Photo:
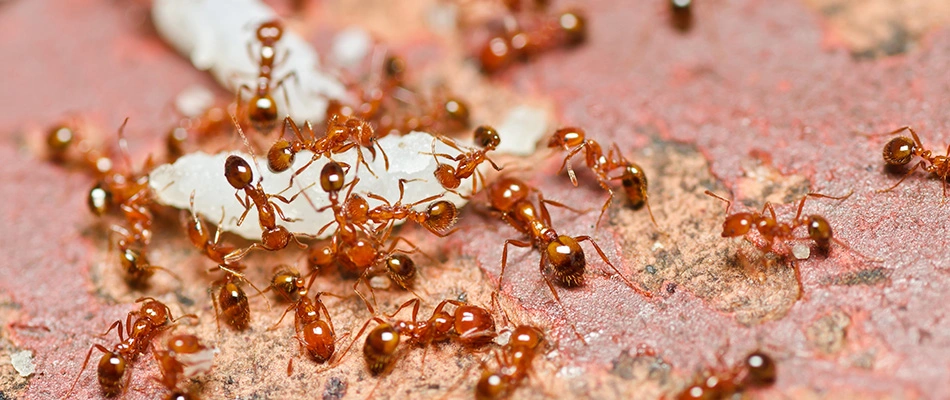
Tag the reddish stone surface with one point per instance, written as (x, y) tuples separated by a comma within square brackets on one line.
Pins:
[(751, 104)]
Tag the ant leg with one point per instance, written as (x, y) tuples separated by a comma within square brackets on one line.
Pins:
[(448, 142), (504, 256), (415, 249), (558, 299), (280, 84), (238, 254), (713, 195), (280, 213), (921, 165), (801, 205), (415, 309), (119, 324), (214, 302), (291, 307), (570, 167), (166, 270), (84, 363), (604, 257), (380, 147), (246, 203)]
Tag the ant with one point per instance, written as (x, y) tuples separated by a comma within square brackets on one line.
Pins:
[(521, 39), (151, 319), (340, 128), (135, 264), (633, 179), (470, 325), (438, 217), (757, 371), (184, 358), (273, 237), (901, 150), (561, 253), (819, 230), (262, 109), (200, 238), (514, 364), (231, 299), (468, 161), (314, 333), (681, 13)]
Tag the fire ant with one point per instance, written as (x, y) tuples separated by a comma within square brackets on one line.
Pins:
[(901, 150), (681, 12), (470, 325), (151, 319), (184, 358), (262, 109), (135, 264), (438, 217), (231, 299), (562, 254), (273, 237), (633, 179), (282, 153), (314, 333), (468, 161), (819, 230), (522, 39), (514, 364), (757, 371), (198, 234)]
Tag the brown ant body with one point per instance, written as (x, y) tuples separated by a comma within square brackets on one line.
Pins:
[(633, 179), (438, 217), (527, 35), (468, 161), (273, 237), (262, 109), (469, 325), (681, 14), (199, 236), (314, 333), (740, 224), (757, 371), (901, 150), (231, 302), (343, 133), (514, 364), (183, 358), (151, 319)]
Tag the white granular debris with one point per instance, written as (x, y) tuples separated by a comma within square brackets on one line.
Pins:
[(194, 100), (351, 46), (503, 338), (380, 282), (801, 251), (521, 130), (23, 362), (203, 174), (214, 35)]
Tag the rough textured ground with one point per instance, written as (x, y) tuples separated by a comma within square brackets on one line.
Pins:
[(762, 101)]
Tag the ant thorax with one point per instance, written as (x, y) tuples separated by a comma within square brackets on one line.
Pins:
[(203, 175)]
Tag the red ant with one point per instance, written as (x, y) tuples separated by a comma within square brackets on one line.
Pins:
[(151, 319), (470, 325), (340, 129), (438, 217), (262, 109), (819, 230), (135, 264), (522, 39), (562, 254), (468, 161), (633, 179), (901, 150), (757, 371), (274, 237), (514, 364), (314, 333), (185, 358), (200, 237), (231, 299)]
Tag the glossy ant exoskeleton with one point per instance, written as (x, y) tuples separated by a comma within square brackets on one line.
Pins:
[(514, 364), (262, 109), (343, 133), (634, 180), (560, 253), (438, 218), (184, 358), (231, 302), (757, 371), (151, 319), (470, 325), (314, 333), (527, 35), (681, 14), (468, 161), (901, 150)]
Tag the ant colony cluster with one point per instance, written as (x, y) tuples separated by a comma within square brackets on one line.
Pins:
[(323, 169)]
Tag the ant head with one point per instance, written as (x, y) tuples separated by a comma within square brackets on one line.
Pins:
[(567, 138), (270, 32), (441, 215), (394, 67), (634, 183), (401, 268), (487, 137), (761, 370), (280, 156), (238, 172), (574, 26), (737, 224), (361, 131), (320, 340), (262, 112), (185, 344), (526, 336), (899, 150), (457, 111), (380, 346), (507, 191), (99, 200), (155, 311), (287, 282), (567, 260), (332, 177), (819, 230)]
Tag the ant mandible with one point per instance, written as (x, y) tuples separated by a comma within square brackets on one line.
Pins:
[(152, 318), (633, 179), (561, 253), (468, 161), (901, 150), (757, 371), (262, 109)]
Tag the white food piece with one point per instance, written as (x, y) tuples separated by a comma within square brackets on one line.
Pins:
[(351, 46), (193, 101), (801, 251), (521, 130), (203, 174), (216, 36), (23, 362)]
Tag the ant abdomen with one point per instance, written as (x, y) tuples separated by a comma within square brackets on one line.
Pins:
[(441, 215), (380, 347), (819, 230), (568, 261), (474, 325), (402, 270), (110, 371), (234, 306), (634, 183), (280, 156), (319, 340), (899, 150), (761, 368), (492, 385), (99, 200)]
